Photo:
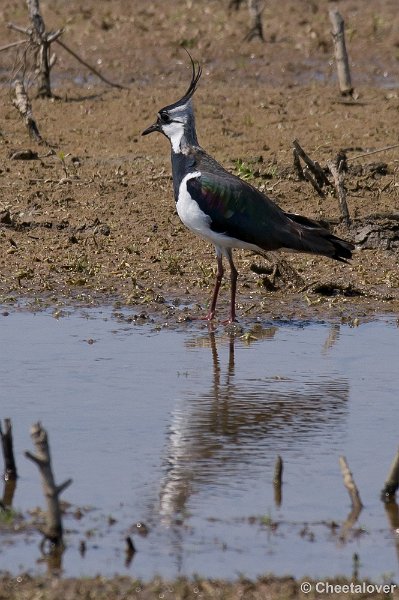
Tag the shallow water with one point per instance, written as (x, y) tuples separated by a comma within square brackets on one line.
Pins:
[(180, 429)]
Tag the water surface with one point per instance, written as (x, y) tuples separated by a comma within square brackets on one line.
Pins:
[(180, 430)]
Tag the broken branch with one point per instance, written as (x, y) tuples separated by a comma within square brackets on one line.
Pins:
[(357, 505), (309, 177), (386, 148), (92, 69), (350, 484), (314, 166), (297, 164), (53, 530), (24, 30), (12, 45)]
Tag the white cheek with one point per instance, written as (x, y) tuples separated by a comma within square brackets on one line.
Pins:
[(175, 132)]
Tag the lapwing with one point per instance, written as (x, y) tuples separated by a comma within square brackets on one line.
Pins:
[(227, 211)]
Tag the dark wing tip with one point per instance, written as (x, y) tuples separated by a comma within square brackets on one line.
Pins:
[(337, 248), (343, 249)]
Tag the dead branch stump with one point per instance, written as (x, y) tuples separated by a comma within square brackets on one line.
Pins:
[(341, 55), (392, 482), (42, 41), (337, 168), (10, 469), (23, 105), (39, 42), (53, 529)]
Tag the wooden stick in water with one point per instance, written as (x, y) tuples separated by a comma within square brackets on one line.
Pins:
[(10, 469), (53, 530), (349, 483), (392, 482)]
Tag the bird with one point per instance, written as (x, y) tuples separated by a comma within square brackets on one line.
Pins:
[(227, 211)]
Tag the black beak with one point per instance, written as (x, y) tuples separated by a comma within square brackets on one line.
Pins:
[(151, 128)]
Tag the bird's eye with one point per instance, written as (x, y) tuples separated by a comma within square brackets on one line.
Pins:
[(165, 118)]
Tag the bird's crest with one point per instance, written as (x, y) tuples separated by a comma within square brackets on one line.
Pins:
[(195, 77)]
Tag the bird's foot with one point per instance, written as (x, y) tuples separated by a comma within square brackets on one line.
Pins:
[(230, 321), (209, 317)]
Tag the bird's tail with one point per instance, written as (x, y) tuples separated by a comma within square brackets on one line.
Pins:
[(312, 237)]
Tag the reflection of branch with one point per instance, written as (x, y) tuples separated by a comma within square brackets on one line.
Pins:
[(349, 522), (277, 480), (130, 551), (357, 505), (333, 336)]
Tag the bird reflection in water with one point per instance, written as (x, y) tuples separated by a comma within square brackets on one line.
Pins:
[(238, 426)]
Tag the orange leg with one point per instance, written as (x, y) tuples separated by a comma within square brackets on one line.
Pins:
[(219, 277)]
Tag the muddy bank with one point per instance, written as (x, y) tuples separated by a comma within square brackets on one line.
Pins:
[(25, 587), (95, 221), (101, 224)]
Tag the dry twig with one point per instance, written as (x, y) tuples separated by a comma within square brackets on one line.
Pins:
[(90, 67), (314, 173), (364, 154), (314, 167), (12, 45)]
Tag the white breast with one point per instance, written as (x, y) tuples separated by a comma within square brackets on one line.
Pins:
[(189, 211), (200, 223)]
